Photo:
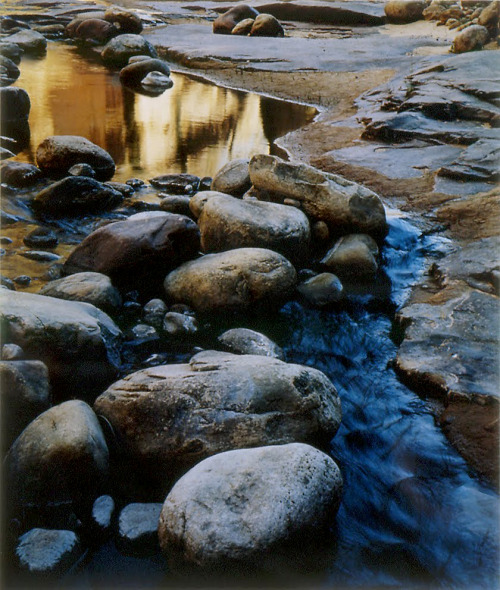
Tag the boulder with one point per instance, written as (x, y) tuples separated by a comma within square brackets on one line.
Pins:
[(19, 174), (321, 290), (31, 42), (404, 11), (175, 204), (243, 27), (120, 49), (75, 195), (58, 153), (95, 29), (227, 223), (242, 280), (78, 342), (353, 257), (25, 394), (44, 552), (9, 72), (11, 51), (138, 528), (345, 206), (89, 287), (198, 201), (225, 23), (125, 20), (473, 37), (245, 341), (137, 252), (14, 104), (242, 508), (233, 178), (266, 25), (134, 73), (172, 416), (60, 457)]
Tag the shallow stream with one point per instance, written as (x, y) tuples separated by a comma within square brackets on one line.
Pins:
[(413, 515)]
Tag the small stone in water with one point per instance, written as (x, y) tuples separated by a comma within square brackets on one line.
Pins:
[(41, 237), (125, 189), (53, 272), (179, 324), (205, 183), (154, 312), (82, 170), (12, 352), (5, 240), (40, 256), (23, 280), (102, 512), (144, 332), (135, 183)]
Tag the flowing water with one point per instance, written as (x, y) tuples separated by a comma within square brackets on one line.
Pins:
[(413, 514)]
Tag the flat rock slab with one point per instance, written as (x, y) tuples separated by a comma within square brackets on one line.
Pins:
[(43, 551)]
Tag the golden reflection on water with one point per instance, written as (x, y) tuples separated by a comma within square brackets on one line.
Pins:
[(193, 127)]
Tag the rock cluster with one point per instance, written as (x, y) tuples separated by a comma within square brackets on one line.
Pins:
[(246, 20)]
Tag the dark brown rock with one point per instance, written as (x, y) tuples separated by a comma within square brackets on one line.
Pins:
[(266, 25), (134, 73), (95, 29), (404, 11), (125, 20), (225, 23), (19, 174)]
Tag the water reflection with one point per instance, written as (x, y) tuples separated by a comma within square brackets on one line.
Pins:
[(194, 127)]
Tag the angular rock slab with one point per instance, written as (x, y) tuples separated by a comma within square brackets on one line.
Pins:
[(241, 280), (345, 206), (60, 457), (240, 507), (172, 416), (78, 342), (227, 223)]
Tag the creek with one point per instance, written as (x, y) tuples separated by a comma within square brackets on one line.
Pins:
[(413, 514)]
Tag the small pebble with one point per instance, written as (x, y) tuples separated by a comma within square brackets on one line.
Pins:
[(205, 184), (23, 280), (135, 183), (40, 256)]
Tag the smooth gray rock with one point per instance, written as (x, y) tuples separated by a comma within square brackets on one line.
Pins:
[(47, 551), (60, 457), (153, 313), (41, 237), (172, 416), (78, 342), (14, 104), (75, 195), (321, 290), (242, 280), (11, 50), (31, 42), (89, 287), (233, 178), (138, 528), (242, 506), (176, 184), (345, 206), (82, 170), (25, 390), (243, 27), (353, 257), (175, 204), (120, 49), (58, 153), (12, 352), (179, 325), (227, 223), (479, 162), (245, 341)]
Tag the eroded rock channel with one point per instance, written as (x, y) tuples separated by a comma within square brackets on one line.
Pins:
[(244, 339)]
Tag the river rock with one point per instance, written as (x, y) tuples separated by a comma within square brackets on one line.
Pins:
[(78, 342), (245, 341), (75, 195), (95, 29), (353, 257), (102, 515), (137, 252), (473, 37), (242, 507), (58, 153), (47, 551), (11, 51), (25, 395), (227, 223), (82, 170), (233, 178), (134, 73), (9, 72), (198, 201), (40, 255), (175, 204), (61, 456), (242, 280), (89, 287), (178, 184), (31, 42), (321, 290), (19, 174), (14, 104), (489, 16), (172, 416), (243, 27), (125, 20), (345, 206), (404, 11), (120, 49), (179, 325), (225, 23), (153, 313), (138, 528), (266, 25)]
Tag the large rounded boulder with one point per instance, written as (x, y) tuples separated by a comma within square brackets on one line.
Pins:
[(227, 223), (170, 417), (120, 49), (244, 507), (241, 280), (225, 23), (58, 153), (139, 251)]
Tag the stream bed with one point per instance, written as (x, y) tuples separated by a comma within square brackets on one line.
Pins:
[(413, 514)]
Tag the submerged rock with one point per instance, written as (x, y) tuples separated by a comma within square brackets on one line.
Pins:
[(120, 49), (172, 416), (48, 551), (58, 153), (241, 280), (179, 325), (178, 184), (245, 341), (225, 23), (241, 508)]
